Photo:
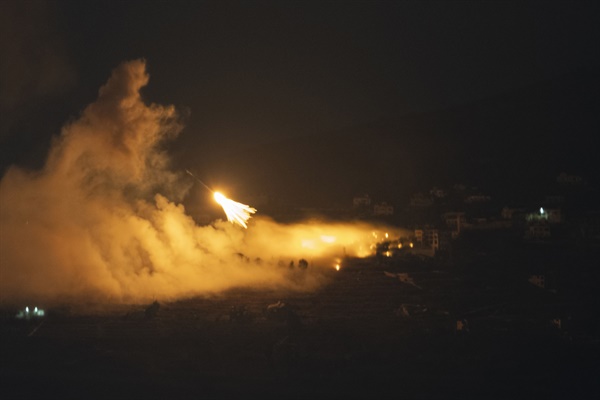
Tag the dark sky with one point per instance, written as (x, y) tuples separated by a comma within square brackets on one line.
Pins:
[(270, 70)]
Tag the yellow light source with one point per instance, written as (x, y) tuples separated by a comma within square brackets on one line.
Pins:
[(237, 213)]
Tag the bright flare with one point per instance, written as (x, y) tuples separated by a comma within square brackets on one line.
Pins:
[(236, 212)]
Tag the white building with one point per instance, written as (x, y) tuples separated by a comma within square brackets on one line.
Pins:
[(551, 215)]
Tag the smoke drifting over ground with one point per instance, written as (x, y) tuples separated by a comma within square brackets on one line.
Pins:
[(97, 223)]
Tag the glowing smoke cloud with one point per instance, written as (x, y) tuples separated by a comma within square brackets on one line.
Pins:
[(96, 223)]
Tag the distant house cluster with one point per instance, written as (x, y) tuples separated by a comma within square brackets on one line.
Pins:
[(567, 211), (364, 205)]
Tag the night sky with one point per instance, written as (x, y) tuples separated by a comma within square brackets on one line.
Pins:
[(270, 91)]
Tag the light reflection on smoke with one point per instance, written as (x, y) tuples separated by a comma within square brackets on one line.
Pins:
[(96, 223)]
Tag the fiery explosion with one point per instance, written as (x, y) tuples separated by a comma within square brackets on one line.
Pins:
[(96, 223), (236, 212)]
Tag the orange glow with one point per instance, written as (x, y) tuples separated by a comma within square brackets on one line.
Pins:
[(308, 244), (327, 238), (65, 240), (317, 239)]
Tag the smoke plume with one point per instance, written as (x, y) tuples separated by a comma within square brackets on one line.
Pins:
[(96, 223)]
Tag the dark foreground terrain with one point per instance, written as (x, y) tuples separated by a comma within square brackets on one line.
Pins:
[(465, 331)]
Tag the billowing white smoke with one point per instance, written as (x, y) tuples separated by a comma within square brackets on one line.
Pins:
[(92, 226)]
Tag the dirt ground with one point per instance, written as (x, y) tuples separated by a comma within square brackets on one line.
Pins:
[(451, 332)]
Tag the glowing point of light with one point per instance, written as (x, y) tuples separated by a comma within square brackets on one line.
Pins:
[(219, 198), (411, 245), (399, 245), (542, 210), (386, 235), (388, 254), (27, 314), (337, 267), (237, 213)]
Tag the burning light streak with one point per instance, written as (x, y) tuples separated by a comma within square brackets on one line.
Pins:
[(196, 178), (237, 213)]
